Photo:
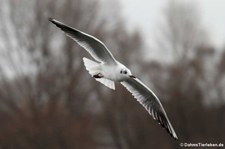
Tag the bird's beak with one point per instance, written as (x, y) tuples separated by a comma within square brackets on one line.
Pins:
[(131, 76)]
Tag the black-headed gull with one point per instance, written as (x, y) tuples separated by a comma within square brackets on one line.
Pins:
[(108, 70)]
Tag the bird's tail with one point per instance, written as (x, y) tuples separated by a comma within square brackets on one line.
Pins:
[(93, 69), (91, 66)]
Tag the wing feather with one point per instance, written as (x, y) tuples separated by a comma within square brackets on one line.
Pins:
[(91, 44), (150, 102)]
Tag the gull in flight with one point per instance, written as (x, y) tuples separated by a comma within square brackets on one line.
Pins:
[(107, 70)]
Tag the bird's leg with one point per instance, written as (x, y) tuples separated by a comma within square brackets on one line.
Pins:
[(98, 76)]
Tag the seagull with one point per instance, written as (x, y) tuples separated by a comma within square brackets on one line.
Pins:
[(107, 70)]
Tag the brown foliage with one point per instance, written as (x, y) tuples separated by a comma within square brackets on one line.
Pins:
[(52, 102), (50, 126)]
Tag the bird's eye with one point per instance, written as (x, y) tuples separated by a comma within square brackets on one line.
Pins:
[(121, 71), (125, 72)]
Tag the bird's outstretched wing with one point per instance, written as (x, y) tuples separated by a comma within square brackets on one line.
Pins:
[(93, 45), (150, 101)]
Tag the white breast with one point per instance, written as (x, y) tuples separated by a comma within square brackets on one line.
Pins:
[(112, 72)]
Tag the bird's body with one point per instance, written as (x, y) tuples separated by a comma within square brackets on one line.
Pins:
[(107, 70), (112, 72)]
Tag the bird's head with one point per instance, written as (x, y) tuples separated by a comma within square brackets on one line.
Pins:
[(126, 73)]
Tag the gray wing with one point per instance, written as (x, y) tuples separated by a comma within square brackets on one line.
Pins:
[(94, 46), (150, 101)]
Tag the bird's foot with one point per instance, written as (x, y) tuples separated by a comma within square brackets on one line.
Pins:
[(98, 76)]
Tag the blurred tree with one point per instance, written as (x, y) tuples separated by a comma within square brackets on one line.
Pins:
[(47, 96), (182, 31), (47, 102), (185, 80)]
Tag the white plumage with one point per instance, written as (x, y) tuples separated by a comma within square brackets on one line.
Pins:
[(108, 70)]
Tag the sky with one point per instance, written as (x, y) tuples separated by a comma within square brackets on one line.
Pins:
[(146, 15)]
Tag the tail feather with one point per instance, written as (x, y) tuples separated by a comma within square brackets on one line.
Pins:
[(110, 84), (93, 68)]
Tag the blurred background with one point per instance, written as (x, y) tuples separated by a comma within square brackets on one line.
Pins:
[(48, 99)]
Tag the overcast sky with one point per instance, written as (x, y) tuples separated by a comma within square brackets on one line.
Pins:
[(147, 15)]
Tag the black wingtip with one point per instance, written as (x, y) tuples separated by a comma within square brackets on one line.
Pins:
[(54, 21), (51, 20), (175, 137), (166, 125), (57, 23)]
